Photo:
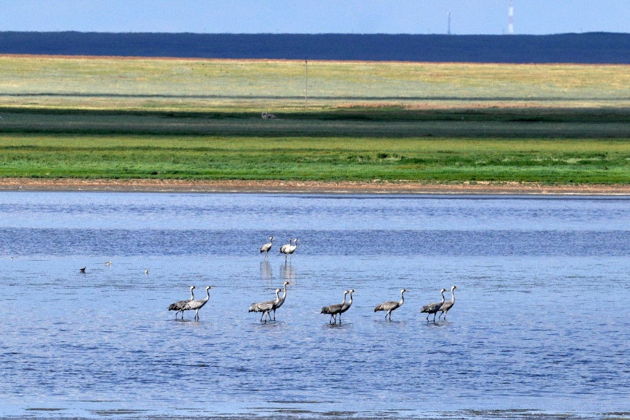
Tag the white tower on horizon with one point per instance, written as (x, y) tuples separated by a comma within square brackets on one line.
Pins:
[(510, 19)]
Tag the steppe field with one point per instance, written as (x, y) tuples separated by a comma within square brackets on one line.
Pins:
[(198, 119)]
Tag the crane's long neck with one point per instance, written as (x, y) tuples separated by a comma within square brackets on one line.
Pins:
[(443, 298), (402, 297), (284, 292), (344, 298), (453, 296), (207, 294), (350, 301), (278, 295), (192, 294)]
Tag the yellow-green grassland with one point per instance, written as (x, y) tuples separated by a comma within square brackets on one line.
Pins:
[(197, 119)]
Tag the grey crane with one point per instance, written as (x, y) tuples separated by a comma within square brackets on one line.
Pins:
[(289, 249), (391, 305), (280, 301), (265, 307), (195, 305), (446, 306), (433, 308), (334, 309), (293, 247), (347, 304), (181, 305), (337, 309), (266, 247), (284, 249)]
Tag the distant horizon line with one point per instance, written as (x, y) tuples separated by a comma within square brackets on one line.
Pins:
[(315, 33)]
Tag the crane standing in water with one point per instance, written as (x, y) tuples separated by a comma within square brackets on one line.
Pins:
[(280, 301), (195, 305), (335, 309), (265, 307), (267, 247), (446, 306), (180, 306), (289, 249), (391, 305), (433, 308)]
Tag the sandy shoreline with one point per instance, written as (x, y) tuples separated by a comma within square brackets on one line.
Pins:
[(316, 187)]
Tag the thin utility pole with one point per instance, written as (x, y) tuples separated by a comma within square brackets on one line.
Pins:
[(305, 83)]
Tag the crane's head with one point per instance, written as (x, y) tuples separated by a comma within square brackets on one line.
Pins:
[(192, 288), (403, 290), (271, 239), (453, 288), (208, 288), (351, 291), (443, 290), (278, 290), (286, 283)]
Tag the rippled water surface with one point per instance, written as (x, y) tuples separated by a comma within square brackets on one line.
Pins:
[(541, 323)]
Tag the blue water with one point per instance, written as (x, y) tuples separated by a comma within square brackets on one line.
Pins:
[(541, 325)]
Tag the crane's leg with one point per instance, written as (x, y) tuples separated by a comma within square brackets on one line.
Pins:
[(428, 317), (434, 316), (339, 318), (197, 315)]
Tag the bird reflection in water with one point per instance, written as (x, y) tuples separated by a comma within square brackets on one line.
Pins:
[(265, 270), (288, 272)]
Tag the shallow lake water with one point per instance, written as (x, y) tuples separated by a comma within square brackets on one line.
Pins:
[(541, 324)]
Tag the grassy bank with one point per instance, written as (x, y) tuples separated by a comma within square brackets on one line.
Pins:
[(324, 158), (201, 119)]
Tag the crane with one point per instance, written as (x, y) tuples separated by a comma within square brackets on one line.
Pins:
[(391, 305), (433, 308), (181, 305)]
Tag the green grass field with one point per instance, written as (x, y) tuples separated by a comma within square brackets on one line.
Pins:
[(200, 119)]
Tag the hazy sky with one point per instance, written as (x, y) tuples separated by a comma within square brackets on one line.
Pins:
[(310, 16)]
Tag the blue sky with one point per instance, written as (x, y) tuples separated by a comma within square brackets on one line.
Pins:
[(309, 16)]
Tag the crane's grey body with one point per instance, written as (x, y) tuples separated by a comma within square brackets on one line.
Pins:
[(196, 305), (446, 306), (391, 306), (180, 306), (280, 301), (337, 309), (289, 249), (265, 307), (267, 247), (433, 308)]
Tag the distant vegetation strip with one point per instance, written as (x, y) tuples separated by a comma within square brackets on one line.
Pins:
[(241, 85), (560, 48), (389, 123), (440, 160)]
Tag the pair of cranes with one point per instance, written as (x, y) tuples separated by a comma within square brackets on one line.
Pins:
[(191, 304), (431, 308), (286, 249), (271, 305), (443, 307)]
